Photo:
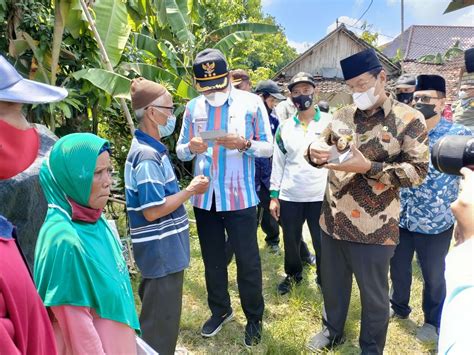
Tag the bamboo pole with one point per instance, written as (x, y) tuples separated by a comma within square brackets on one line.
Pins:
[(108, 65)]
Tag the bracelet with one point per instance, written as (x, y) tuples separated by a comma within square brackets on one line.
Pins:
[(274, 193), (314, 165)]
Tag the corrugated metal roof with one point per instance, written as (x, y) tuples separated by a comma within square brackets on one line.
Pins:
[(421, 40)]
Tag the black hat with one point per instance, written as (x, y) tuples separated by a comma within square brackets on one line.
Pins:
[(360, 63), (210, 70), (430, 82), (269, 87), (299, 78), (323, 106), (469, 60), (406, 81)]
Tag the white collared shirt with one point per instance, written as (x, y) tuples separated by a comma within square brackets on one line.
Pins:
[(292, 176)]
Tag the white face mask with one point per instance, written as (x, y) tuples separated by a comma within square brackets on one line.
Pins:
[(365, 100), (217, 98), (462, 95)]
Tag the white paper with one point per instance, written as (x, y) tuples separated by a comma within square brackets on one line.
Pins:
[(212, 135), (336, 157), (143, 348)]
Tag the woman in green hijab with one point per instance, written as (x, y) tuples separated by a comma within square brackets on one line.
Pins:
[(79, 269)]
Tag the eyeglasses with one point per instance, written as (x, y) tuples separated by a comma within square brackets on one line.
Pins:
[(158, 106), (425, 99)]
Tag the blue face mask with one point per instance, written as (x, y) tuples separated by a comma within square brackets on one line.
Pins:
[(167, 130)]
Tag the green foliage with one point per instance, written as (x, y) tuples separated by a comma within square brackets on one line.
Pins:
[(113, 84), (368, 35), (156, 39), (440, 58), (398, 56), (111, 19)]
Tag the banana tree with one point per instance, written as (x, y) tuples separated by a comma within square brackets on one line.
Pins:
[(168, 41)]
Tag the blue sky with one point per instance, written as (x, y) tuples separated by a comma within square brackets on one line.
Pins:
[(307, 21)]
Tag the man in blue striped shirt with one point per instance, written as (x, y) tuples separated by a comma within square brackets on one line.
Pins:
[(240, 120), (158, 221)]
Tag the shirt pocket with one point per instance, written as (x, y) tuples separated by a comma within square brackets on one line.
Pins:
[(199, 125)]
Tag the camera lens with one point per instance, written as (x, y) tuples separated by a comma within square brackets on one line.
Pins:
[(451, 153)]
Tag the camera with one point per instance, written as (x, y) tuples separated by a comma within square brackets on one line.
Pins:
[(451, 153)]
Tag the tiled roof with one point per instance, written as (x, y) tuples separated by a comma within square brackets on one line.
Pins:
[(324, 85), (420, 40), (450, 71)]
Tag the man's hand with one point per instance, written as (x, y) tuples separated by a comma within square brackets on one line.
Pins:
[(197, 145), (198, 185), (275, 208), (231, 141), (319, 153), (463, 208), (357, 164)]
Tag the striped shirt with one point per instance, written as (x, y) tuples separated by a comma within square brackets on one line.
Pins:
[(161, 247), (231, 173)]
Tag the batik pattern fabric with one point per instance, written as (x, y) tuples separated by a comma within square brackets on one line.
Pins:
[(426, 209), (365, 208)]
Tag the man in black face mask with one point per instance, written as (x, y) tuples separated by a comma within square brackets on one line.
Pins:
[(296, 189), (405, 87), (426, 220)]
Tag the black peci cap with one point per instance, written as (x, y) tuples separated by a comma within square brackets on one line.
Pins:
[(430, 82), (323, 106), (406, 81), (269, 87), (210, 70), (469, 60), (360, 63)]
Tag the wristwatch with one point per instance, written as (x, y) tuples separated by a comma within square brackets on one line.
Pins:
[(248, 144)]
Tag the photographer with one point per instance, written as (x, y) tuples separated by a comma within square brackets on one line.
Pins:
[(426, 221), (457, 324)]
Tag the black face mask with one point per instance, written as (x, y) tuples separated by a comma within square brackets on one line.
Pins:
[(426, 109), (405, 97), (303, 102)]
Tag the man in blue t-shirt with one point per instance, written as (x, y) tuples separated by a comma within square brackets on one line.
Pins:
[(426, 220), (158, 221)]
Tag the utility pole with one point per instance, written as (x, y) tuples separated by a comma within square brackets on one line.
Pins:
[(401, 35)]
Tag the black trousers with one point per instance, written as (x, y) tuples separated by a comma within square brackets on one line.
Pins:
[(431, 251), (241, 228), (269, 225), (292, 217), (161, 311), (369, 263)]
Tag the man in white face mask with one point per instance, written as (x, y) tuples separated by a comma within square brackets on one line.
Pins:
[(239, 122), (159, 225), (464, 107), (361, 208)]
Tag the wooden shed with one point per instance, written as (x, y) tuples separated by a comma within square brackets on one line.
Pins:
[(322, 61)]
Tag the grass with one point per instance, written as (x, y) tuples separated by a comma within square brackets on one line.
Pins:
[(289, 320)]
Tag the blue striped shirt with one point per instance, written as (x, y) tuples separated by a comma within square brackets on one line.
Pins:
[(161, 247), (231, 173)]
